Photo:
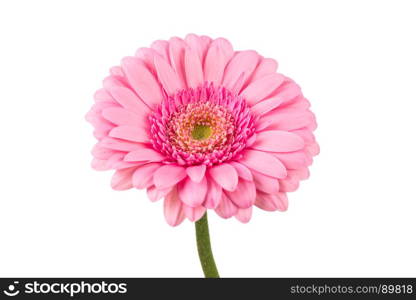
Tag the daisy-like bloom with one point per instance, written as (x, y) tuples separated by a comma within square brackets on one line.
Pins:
[(203, 127)]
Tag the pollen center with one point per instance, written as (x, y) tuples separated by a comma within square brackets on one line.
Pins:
[(207, 125), (201, 132)]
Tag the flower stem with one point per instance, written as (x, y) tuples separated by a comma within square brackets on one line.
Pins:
[(204, 248)]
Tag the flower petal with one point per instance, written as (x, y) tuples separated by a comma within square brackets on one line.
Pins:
[(192, 193), (214, 194), (226, 209), (243, 62), (177, 54), (288, 121), (244, 195), (272, 202), (168, 175), (119, 145), (196, 173), (162, 48), (262, 88), (121, 116), (167, 76), (290, 183), (154, 194), (126, 98), (242, 171), (244, 214), (173, 208), (293, 160), (142, 81), (264, 163), (266, 183), (144, 154), (122, 180), (266, 66), (225, 175), (193, 68), (267, 105), (130, 133), (194, 213), (195, 43), (218, 55), (278, 141), (143, 176)]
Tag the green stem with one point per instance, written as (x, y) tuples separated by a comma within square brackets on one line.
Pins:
[(204, 248)]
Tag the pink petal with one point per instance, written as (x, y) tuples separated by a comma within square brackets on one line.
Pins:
[(147, 55), (177, 54), (267, 105), (168, 175), (272, 202), (162, 48), (194, 213), (244, 214), (193, 68), (117, 71), (278, 141), (264, 163), (142, 81), (194, 42), (121, 179), (288, 91), (99, 164), (130, 133), (266, 66), (244, 195), (242, 62), (283, 202), (101, 152), (313, 149), (192, 193), (226, 209), (302, 173), (121, 116), (154, 194), (196, 173), (126, 98), (225, 175), (173, 208), (205, 42), (143, 176), (218, 55), (306, 135), (112, 81), (144, 154), (288, 121), (236, 87), (242, 171), (266, 183), (263, 124), (289, 184), (262, 88), (292, 160), (214, 194), (167, 76), (120, 145), (102, 95)]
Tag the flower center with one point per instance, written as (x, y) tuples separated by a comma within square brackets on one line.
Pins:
[(207, 125), (201, 132)]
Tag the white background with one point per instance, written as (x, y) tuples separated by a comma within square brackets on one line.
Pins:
[(355, 216)]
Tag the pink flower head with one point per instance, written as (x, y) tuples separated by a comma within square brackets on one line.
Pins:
[(204, 127)]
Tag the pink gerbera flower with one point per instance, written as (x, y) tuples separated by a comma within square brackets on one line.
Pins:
[(204, 127)]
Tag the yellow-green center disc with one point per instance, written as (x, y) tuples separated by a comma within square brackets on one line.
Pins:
[(201, 132)]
